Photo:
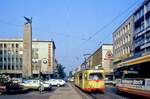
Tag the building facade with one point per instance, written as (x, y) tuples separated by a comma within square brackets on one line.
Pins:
[(123, 41), (102, 57), (140, 55), (11, 57), (142, 29)]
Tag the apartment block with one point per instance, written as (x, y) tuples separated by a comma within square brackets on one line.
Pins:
[(123, 41)]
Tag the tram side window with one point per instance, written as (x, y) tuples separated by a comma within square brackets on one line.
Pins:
[(118, 74), (144, 71), (131, 75), (80, 76), (95, 76)]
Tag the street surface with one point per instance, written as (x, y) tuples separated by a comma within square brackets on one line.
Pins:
[(72, 92), (29, 95), (110, 93)]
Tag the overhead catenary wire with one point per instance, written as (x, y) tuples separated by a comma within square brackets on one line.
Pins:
[(111, 22), (130, 10)]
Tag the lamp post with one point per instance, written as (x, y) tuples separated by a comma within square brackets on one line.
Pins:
[(40, 65)]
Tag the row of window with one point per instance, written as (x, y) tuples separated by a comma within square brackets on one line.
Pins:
[(148, 37), (141, 26), (10, 59), (122, 41), (148, 6), (141, 40), (122, 52), (139, 14), (5, 45), (10, 67), (122, 31)]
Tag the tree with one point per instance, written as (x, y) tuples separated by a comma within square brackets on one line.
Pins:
[(70, 74), (60, 71)]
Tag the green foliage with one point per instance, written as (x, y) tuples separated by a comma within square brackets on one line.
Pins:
[(60, 71), (70, 74)]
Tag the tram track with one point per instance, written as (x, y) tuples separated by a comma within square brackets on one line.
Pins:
[(109, 93)]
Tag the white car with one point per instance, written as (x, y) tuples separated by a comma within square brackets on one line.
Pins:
[(56, 82), (36, 84)]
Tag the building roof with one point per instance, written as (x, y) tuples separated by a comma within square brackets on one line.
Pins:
[(21, 40)]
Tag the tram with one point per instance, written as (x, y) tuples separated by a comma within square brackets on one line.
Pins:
[(90, 80), (134, 76)]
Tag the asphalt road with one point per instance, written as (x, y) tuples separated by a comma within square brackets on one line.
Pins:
[(110, 93), (30, 95)]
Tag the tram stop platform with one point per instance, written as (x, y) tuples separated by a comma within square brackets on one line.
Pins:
[(67, 92)]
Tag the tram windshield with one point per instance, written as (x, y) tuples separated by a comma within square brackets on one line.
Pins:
[(95, 76)]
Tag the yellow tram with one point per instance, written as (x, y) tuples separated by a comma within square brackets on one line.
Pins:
[(90, 80)]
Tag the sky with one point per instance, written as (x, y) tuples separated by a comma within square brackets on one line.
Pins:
[(77, 27)]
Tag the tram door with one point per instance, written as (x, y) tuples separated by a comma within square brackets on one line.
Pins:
[(81, 80)]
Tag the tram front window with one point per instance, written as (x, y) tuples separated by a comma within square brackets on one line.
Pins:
[(95, 76)]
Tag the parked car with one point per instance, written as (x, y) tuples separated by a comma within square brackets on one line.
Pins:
[(7, 85), (2, 88), (56, 82), (16, 80), (35, 84)]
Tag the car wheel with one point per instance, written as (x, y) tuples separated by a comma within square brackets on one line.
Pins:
[(58, 85)]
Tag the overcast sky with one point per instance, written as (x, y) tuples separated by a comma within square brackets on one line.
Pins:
[(76, 26)]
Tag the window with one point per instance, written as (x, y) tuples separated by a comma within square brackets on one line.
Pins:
[(1, 52), (80, 76), (17, 45), (5, 66), (148, 22), (95, 76), (148, 40), (148, 7), (8, 66), (1, 45), (17, 67), (140, 27), (148, 49), (12, 45), (12, 67), (1, 59), (129, 26), (21, 67), (128, 49), (125, 28), (139, 14), (5, 45)]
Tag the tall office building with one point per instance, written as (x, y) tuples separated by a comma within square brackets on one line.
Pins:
[(142, 29), (123, 41), (140, 41), (11, 57)]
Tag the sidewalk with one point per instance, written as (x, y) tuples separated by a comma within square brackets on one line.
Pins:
[(65, 93)]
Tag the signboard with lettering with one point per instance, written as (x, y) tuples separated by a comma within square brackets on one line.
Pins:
[(108, 55), (49, 54), (138, 83)]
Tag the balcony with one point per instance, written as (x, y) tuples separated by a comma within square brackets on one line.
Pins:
[(145, 46)]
